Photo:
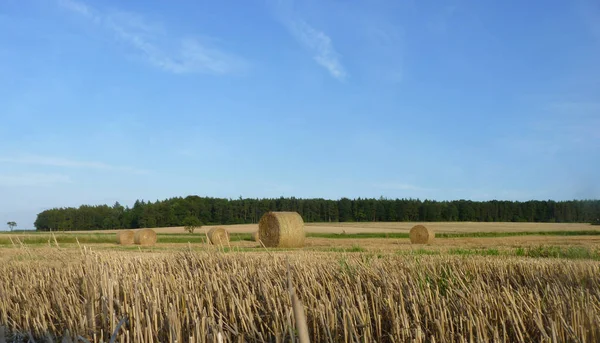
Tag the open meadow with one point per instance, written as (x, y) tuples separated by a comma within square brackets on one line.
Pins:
[(477, 282)]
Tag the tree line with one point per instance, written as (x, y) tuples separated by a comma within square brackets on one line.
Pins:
[(214, 211)]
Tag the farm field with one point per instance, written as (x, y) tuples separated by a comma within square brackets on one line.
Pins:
[(396, 227), (481, 282)]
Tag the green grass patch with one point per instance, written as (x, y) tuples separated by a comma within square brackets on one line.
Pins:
[(471, 252), (558, 252), (453, 235), (89, 238), (419, 251), (357, 235), (354, 248), (103, 238)]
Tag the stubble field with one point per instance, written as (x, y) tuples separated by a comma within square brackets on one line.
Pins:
[(397, 227), (357, 282)]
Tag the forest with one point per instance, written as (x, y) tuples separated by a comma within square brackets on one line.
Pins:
[(217, 211)]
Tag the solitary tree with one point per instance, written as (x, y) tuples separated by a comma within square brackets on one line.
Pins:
[(11, 225), (191, 223)]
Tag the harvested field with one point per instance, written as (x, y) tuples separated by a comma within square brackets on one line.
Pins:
[(393, 227), (444, 227), (376, 244), (386, 289), (197, 296)]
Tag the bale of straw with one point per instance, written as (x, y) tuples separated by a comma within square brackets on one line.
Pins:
[(420, 234), (281, 229), (255, 236), (218, 236), (125, 237), (145, 237)]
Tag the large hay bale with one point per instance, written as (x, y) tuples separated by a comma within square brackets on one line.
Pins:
[(281, 229), (145, 237), (125, 237), (255, 236), (420, 234), (218, 236)]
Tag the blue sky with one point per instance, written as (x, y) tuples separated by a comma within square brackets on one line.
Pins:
[(119, 100)]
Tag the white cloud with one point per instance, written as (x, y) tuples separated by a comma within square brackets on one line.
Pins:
[(320, 44), (315, 41), (32, 179), (77, 7), (67, 163), (173, 54)]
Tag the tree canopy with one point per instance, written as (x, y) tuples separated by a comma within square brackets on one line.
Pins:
[(191, 223), (217, 211)]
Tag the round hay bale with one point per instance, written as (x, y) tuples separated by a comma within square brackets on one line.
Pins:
[(281, 229), (420, 234), (145, 237), (255, 236), (218, 236), (125, 237)]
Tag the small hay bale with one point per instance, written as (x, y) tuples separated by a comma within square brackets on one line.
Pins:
[(255, 236), (145, 237), (420, 234), (218, 236), (281, 229), (125, 237)]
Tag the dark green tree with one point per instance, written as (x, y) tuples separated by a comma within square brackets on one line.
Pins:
[(190, 224), (175, 211)]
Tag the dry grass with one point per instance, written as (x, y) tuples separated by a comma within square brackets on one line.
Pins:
[(347, 297)]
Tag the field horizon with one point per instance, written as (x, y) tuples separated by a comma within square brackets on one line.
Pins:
[(383, 227)]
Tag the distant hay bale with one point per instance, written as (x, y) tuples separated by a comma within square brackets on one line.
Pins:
[(125, 237), (218, 236), (145, 237), (420, 234), (281, 229), (255, 236)]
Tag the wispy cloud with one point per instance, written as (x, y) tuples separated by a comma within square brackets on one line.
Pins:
[(68, 163), (77, 7), (315, 41), (320, 45), (178, 55), (32, 179)]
